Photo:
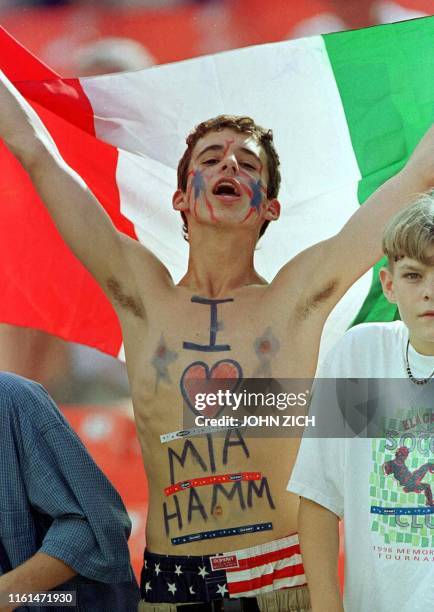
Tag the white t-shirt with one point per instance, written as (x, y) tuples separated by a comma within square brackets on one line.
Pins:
[(388, 531)]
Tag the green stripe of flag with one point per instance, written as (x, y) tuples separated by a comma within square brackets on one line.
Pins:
[(385, 76)]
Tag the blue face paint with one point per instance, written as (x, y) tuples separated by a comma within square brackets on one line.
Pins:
[(198, 183), (256, 199)]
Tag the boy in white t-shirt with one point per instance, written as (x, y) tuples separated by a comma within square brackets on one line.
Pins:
[(381, 487)]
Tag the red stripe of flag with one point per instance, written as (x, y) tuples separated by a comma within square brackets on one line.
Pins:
[(253, 584), (63, 97), (42, 284), (269, 557)]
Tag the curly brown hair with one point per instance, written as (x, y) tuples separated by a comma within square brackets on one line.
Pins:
[(244, 125)]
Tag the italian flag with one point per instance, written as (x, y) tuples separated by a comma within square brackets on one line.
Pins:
[(346, 109)]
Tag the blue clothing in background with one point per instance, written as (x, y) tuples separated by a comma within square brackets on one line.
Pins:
[(54, 499)]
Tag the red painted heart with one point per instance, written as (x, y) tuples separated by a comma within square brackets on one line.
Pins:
[(198, 378)]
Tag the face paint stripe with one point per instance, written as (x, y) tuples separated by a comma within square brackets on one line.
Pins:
[(189, 190), (211, 210), (244, 174), (247, 190), (251, 211), (256, 199), (227, 146)]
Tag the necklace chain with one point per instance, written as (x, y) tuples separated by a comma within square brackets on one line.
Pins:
[(416, 381)]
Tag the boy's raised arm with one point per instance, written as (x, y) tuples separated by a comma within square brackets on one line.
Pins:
[(319, 543), (81, 220), (333, 265), (362, 235)]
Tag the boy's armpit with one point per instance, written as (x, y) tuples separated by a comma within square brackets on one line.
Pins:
[(121, 298)]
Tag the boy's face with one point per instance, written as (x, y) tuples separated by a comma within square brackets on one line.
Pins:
[(227, 182), (410, 285)]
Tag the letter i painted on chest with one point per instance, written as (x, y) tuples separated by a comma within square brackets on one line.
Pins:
[(212, 347)]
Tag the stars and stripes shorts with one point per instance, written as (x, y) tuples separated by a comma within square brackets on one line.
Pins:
[(258, 571)]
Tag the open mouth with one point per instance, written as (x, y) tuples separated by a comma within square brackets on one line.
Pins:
[(227, 188)]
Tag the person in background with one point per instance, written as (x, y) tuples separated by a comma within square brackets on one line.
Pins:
[(62, 524), (114, 54)]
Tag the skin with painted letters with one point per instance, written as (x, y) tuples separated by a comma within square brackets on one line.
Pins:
[(221, 318)]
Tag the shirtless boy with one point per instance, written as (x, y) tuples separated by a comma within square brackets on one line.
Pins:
[(223, 315)]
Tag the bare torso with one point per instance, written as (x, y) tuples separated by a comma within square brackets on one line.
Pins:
[(264, 335)]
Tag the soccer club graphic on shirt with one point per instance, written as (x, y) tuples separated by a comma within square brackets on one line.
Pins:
[(402, 482), (411, 482)]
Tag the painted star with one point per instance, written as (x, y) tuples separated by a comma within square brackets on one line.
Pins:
[(203, 572), (191, 591), (148, 586), (222, 589), (171, 587), (162, 358), (267, 345), (157, 568), (178, 570)]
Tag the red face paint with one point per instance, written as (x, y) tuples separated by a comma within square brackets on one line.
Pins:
[(249, 214), (211, 210), (227, 146), (210, 167)]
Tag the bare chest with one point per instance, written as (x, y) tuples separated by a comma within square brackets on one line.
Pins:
[(193, 338), (223, 338)]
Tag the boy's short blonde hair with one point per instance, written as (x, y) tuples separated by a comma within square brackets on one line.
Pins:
[(410, 233)]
